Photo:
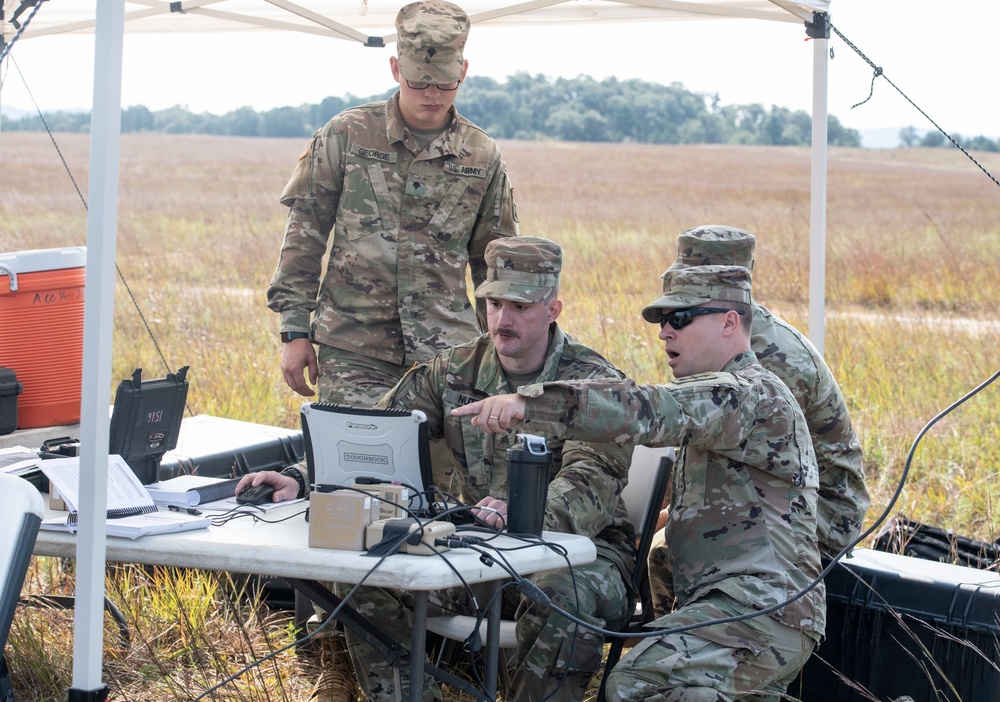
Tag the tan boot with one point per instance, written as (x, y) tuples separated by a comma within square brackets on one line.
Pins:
[(336, 682)]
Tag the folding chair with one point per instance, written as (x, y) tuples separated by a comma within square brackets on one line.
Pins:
[(648, 478), (21, 511)]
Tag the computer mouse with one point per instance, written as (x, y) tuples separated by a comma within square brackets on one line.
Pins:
[(255, 494)]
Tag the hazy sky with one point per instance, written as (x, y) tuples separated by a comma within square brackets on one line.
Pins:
[(941, 54)]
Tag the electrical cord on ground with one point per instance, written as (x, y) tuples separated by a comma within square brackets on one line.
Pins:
[(879, 73)]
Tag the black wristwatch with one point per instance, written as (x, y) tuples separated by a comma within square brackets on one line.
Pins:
[(293, 472), (290, 336)]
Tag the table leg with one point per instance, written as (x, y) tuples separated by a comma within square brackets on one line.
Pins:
[(493, 642), (418, 645)]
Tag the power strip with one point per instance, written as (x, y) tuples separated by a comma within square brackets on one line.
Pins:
[(383, 529)]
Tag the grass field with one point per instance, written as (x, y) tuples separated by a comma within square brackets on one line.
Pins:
[(913, 254)]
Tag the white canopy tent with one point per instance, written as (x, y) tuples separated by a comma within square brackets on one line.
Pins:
[(369, 22)]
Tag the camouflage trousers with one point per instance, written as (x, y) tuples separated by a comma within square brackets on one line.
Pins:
[(553, 654), (661, 584), (751, 660), (347, 378)]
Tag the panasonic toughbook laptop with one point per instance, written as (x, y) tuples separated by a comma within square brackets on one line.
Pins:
[(346, 444)]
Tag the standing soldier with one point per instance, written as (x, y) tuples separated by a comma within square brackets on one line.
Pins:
[(406, 194)]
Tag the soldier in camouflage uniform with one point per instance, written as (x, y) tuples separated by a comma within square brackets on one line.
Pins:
[(742, 523), (786, 352), (524, 345), (406, 194), (410, 193)]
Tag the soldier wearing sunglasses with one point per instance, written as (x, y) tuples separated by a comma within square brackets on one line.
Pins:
[(786, 352), (741, 532)]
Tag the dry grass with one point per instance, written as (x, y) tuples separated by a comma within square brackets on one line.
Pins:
[(912, 281)]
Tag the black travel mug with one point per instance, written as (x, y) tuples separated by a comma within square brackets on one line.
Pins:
[(528, 464)]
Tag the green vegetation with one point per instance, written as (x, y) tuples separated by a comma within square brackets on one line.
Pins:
[(522, 107), (913, 249)]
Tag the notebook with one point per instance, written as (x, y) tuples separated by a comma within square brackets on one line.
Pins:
[(346, 444), (126, 495), (160, 522), (190, 490)]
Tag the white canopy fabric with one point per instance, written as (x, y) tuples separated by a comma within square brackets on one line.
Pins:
[(365, 21), (360, 20)]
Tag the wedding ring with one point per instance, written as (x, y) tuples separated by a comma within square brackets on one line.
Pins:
[(493, 416)]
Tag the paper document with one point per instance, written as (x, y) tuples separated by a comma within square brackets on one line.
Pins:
[(126, 495)]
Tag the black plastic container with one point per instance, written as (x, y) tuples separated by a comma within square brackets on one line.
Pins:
[(528, 464), (899, 626), (146, 420), (10, 388), (219, 447)]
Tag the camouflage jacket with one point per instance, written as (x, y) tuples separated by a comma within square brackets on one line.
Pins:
[(743, 500), (405, 226), (586, 478), (843, 497)]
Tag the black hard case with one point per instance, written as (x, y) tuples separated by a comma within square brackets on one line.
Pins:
[(219, 447), (10, 388), (146, 420), (899, 626)]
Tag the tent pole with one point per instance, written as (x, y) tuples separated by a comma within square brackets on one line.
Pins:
[(102, 225), (819, 31)]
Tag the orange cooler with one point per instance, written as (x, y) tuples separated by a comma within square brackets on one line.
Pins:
[(41, 331)]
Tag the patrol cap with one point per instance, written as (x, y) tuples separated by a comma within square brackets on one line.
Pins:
[(431, 36), (695, 285), (521, 268), (715, 245)]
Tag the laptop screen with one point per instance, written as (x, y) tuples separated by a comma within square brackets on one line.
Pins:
[(347, 444)]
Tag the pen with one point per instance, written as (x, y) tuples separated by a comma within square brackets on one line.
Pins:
[(189, 510)]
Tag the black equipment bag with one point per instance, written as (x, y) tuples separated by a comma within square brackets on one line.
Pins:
[(910, 538)]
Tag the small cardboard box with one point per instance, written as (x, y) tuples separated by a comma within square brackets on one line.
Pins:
[(392, 498), (338, 519)]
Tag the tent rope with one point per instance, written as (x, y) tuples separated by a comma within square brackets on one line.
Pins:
[(6, 47), (83, 200), (879, 73)]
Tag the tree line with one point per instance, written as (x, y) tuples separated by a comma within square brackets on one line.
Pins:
[(527, 107)]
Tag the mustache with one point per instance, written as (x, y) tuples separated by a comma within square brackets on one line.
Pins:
[(504, 331)]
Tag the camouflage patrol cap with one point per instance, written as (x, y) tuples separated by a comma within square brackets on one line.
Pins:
[(715, 245), (695, 285), (431, 36), (521, 268)]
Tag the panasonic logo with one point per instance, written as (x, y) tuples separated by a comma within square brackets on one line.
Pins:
[(366, 458), (355, 425)]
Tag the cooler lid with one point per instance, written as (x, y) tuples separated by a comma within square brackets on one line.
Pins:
[(43, 259)]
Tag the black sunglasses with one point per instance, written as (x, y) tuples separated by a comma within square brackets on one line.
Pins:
[(678, 319)]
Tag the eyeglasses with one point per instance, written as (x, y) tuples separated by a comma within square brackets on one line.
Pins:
[(444, 87), (678, 319)]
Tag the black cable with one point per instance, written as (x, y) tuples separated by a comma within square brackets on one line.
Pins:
[(298, 642)]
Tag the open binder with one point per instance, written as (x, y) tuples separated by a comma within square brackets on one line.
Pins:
[(126, 495)]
